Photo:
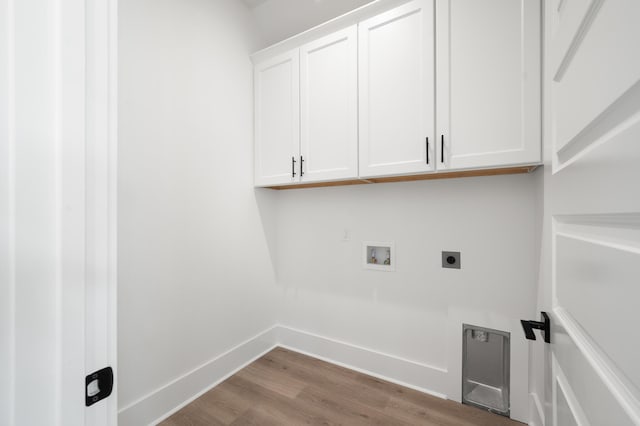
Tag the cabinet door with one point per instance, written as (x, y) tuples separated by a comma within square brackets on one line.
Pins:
[(396, 70), (277, 120), (488, 83), (329, 107)]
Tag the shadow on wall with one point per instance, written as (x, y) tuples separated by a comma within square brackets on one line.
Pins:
[(266, 202)]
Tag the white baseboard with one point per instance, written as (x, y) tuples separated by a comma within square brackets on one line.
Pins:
[(536, 413), (161, 403), (414, 375)]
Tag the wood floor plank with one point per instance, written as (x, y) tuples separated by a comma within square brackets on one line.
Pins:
[(424, 414), (270, 404), (225, 405), (334, 379), (256, 418), (287, 388), (194, 414), (345, 411), (262, 375)]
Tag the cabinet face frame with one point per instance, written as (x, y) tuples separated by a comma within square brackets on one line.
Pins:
[(424, 148), (262, 144), (336, 114), (525, 151)]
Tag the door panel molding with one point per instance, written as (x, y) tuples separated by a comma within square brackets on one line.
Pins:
[(613, 232), (600, 366), (606, 220), (564, 394), (572, 31), (619, 117), (599, 90)]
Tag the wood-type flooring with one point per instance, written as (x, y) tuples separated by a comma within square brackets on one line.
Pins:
[(287, 388)]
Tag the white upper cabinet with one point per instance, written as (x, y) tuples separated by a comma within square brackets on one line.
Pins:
[(329, 107), (488, 83), (277, 120), (396, 86), (428, 86)]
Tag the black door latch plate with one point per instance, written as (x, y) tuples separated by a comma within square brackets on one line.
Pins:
[(102, 387)]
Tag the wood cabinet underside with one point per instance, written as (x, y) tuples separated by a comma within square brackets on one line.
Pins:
[(409, 178)]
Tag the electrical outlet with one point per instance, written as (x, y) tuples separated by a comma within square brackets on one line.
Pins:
[(451, 259)]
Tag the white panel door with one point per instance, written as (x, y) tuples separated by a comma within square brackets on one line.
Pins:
[(396, 70), (329, 107), (488, 83), (277, 119), (592, 202)]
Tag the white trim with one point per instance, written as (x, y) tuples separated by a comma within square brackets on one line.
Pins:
[(614, 120), (166, 400), (357, 347), (562, 384), (604, 368), (101, 201), (364, 371), (58, 213), (600, 241), (7, 201), (411, 374), (171, 397), (623, 391), (12, 203), (578, 37), (610, 220), (536, 412), (112, 214)]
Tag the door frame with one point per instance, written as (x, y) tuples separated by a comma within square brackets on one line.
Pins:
[(101, 23), (69, 49), (87, 151)]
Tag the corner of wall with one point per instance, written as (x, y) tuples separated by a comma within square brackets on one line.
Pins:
[(166, 400)]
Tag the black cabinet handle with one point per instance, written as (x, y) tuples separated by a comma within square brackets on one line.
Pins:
[(293, 167), (544, 325), (442, 148), (427, 143), (301, 165)]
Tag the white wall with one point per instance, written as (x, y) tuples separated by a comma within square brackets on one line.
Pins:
[(195, 273), (417, 311), (277, 20), (199, 246)]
